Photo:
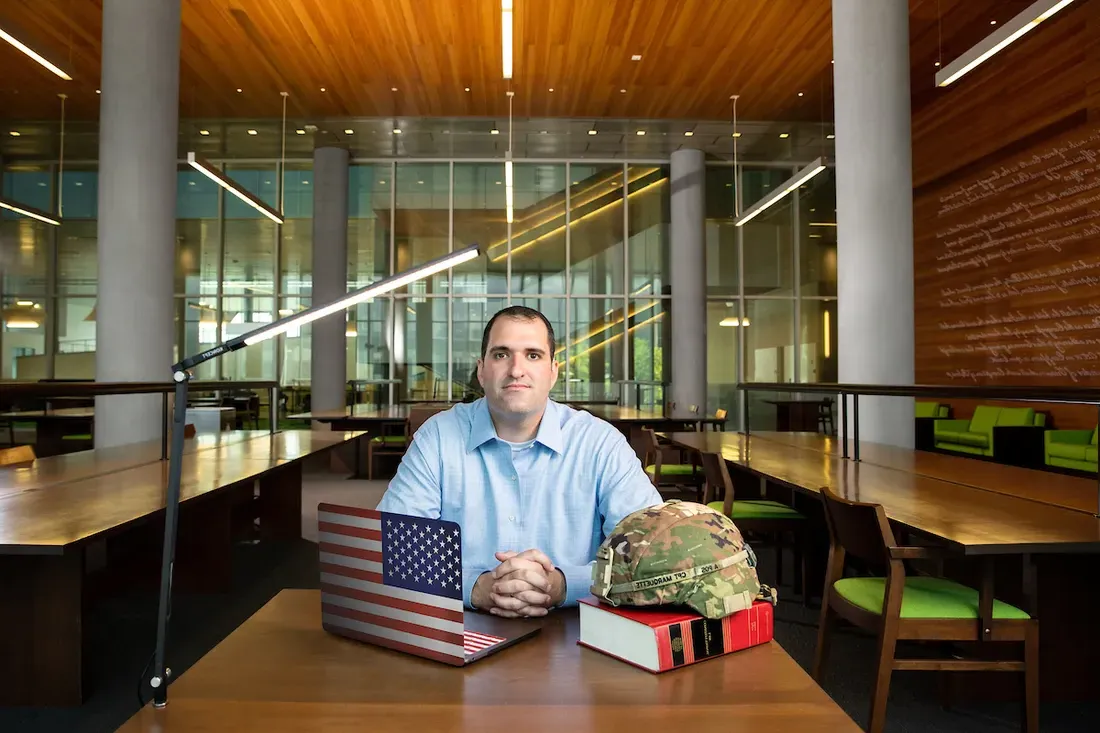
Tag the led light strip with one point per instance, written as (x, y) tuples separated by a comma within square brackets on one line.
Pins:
[(996, 41), (30, 52), (785, 188), (506, 37), (204, 167), (28, 211)]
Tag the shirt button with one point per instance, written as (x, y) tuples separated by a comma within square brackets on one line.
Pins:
[(513, 478), (511, 518)]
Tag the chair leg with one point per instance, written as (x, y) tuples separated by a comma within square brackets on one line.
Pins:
[(824, 630), (887, 642), (1031, 678)]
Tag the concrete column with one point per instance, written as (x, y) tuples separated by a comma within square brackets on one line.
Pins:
[(328, 363), (874, 197), (138, 137), (688, 281)]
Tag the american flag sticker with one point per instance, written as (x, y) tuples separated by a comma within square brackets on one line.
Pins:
[(395, 581)]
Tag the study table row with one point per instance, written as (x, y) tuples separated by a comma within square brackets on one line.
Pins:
[(67, 519)]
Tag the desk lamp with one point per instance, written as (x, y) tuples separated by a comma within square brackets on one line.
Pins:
[(181, 375)]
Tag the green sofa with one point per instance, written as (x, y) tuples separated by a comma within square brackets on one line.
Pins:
[(925, 416), (1075, 449), (1006, 434), (930, 409)]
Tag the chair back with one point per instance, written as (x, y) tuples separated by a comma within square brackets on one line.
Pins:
[(419, 415), (19, 454), (860, 528), (718, 478)]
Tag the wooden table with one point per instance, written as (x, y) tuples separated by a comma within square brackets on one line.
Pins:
[(1049, 552), (51, 536), (280, 671), (797, 415), (51, 426), (88, 464), (1046, 487)]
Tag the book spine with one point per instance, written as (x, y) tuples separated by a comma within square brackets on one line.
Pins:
[(686, 642)]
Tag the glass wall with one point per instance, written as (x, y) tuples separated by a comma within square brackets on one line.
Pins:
[(589, 245)]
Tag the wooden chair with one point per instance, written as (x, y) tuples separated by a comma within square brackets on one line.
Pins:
[(917, 607), (397, 444), (19, 454), (650, 453), (772, 521), (825, 417)]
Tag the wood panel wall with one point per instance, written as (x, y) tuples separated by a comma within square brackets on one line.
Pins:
[(1006, 168)]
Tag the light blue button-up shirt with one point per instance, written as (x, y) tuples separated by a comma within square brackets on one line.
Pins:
[(562, 495)]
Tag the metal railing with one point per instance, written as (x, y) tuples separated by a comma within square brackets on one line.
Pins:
[(11, 392)]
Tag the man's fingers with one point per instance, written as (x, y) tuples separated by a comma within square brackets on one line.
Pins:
[(521, 590), (525, 612), (502, 613), (534, 598), (531, 579), (515, 564), (538, 556), (508, 603), (505, 555)]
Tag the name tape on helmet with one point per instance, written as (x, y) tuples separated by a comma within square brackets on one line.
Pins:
[(678, 575)]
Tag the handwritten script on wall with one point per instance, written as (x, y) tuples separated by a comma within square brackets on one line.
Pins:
[(1008, 276)]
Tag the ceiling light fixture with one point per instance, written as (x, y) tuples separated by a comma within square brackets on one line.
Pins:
[(397, 131), (349, 132), (239, 91), (28, 211), (641, 132), (830, 136), (1006, 34), (636, 57), (622, 91), (393, 89), (98, 91), (801, 94), (509, 194), (737, 134), (506, 37), (551, 89), (253, 132), (30, 52), (592, 132), (204, 133), (15, 133), (494, 131), (784, 188), (784, 135), (688, 133), (203, 166), (300, 132), (467, 88)]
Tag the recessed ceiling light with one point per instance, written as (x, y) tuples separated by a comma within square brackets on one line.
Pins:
[(393, 89), (204, 132), (97, 91), (252, 132), (830, 136), (833, 61), (497, 182), (801, 94), (397, 131), (349, 132), (636, 57), (494, 131), (239, 90), (937, 63), (993, 22), (542, 132), (591, 132), (323, 89), (736, 134), (622, 91), (300, 132), (641, 132), (467, 88), (14, 133), (688, 133), (784, 135)]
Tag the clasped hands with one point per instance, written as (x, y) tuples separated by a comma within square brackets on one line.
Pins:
[(525, 584)]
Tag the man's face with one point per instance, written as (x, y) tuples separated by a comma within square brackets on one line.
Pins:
[(517, 370)]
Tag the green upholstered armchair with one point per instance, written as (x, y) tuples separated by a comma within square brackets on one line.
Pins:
[(1005, 434), (926, 413), (1075, 449)]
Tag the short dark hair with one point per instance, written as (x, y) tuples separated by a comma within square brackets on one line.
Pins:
[(520, 312)]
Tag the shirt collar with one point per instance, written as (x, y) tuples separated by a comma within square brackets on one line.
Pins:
[(482, 430)]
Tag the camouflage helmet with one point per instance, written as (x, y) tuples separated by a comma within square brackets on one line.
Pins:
[(678, 553)]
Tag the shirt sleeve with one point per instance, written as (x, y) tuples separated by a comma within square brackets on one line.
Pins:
[(623, 488), (416, 489)]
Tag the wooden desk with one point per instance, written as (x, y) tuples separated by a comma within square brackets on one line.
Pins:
[(90, 463), (46, 534), (281, 672), (1046, 487), (975, 521), (797, 415)]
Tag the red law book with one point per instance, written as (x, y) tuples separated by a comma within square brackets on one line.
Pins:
[(659, 639)]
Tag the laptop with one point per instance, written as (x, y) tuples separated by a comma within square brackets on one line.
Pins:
[(395, 581)]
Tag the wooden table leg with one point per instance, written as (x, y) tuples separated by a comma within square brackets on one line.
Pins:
[(281, 503), (41, 659)]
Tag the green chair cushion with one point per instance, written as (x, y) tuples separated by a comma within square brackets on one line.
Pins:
[(758, 509), (1090, 454), (1094, 430), (923, 598), (1067, 450), (978, 440), (389, 439), (1016, 416), (674, 469), (79, 436), (984, 419)]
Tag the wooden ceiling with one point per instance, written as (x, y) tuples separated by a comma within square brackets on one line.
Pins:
[(695, 54)]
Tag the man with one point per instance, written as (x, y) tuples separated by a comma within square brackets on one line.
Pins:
[(534, 485)]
